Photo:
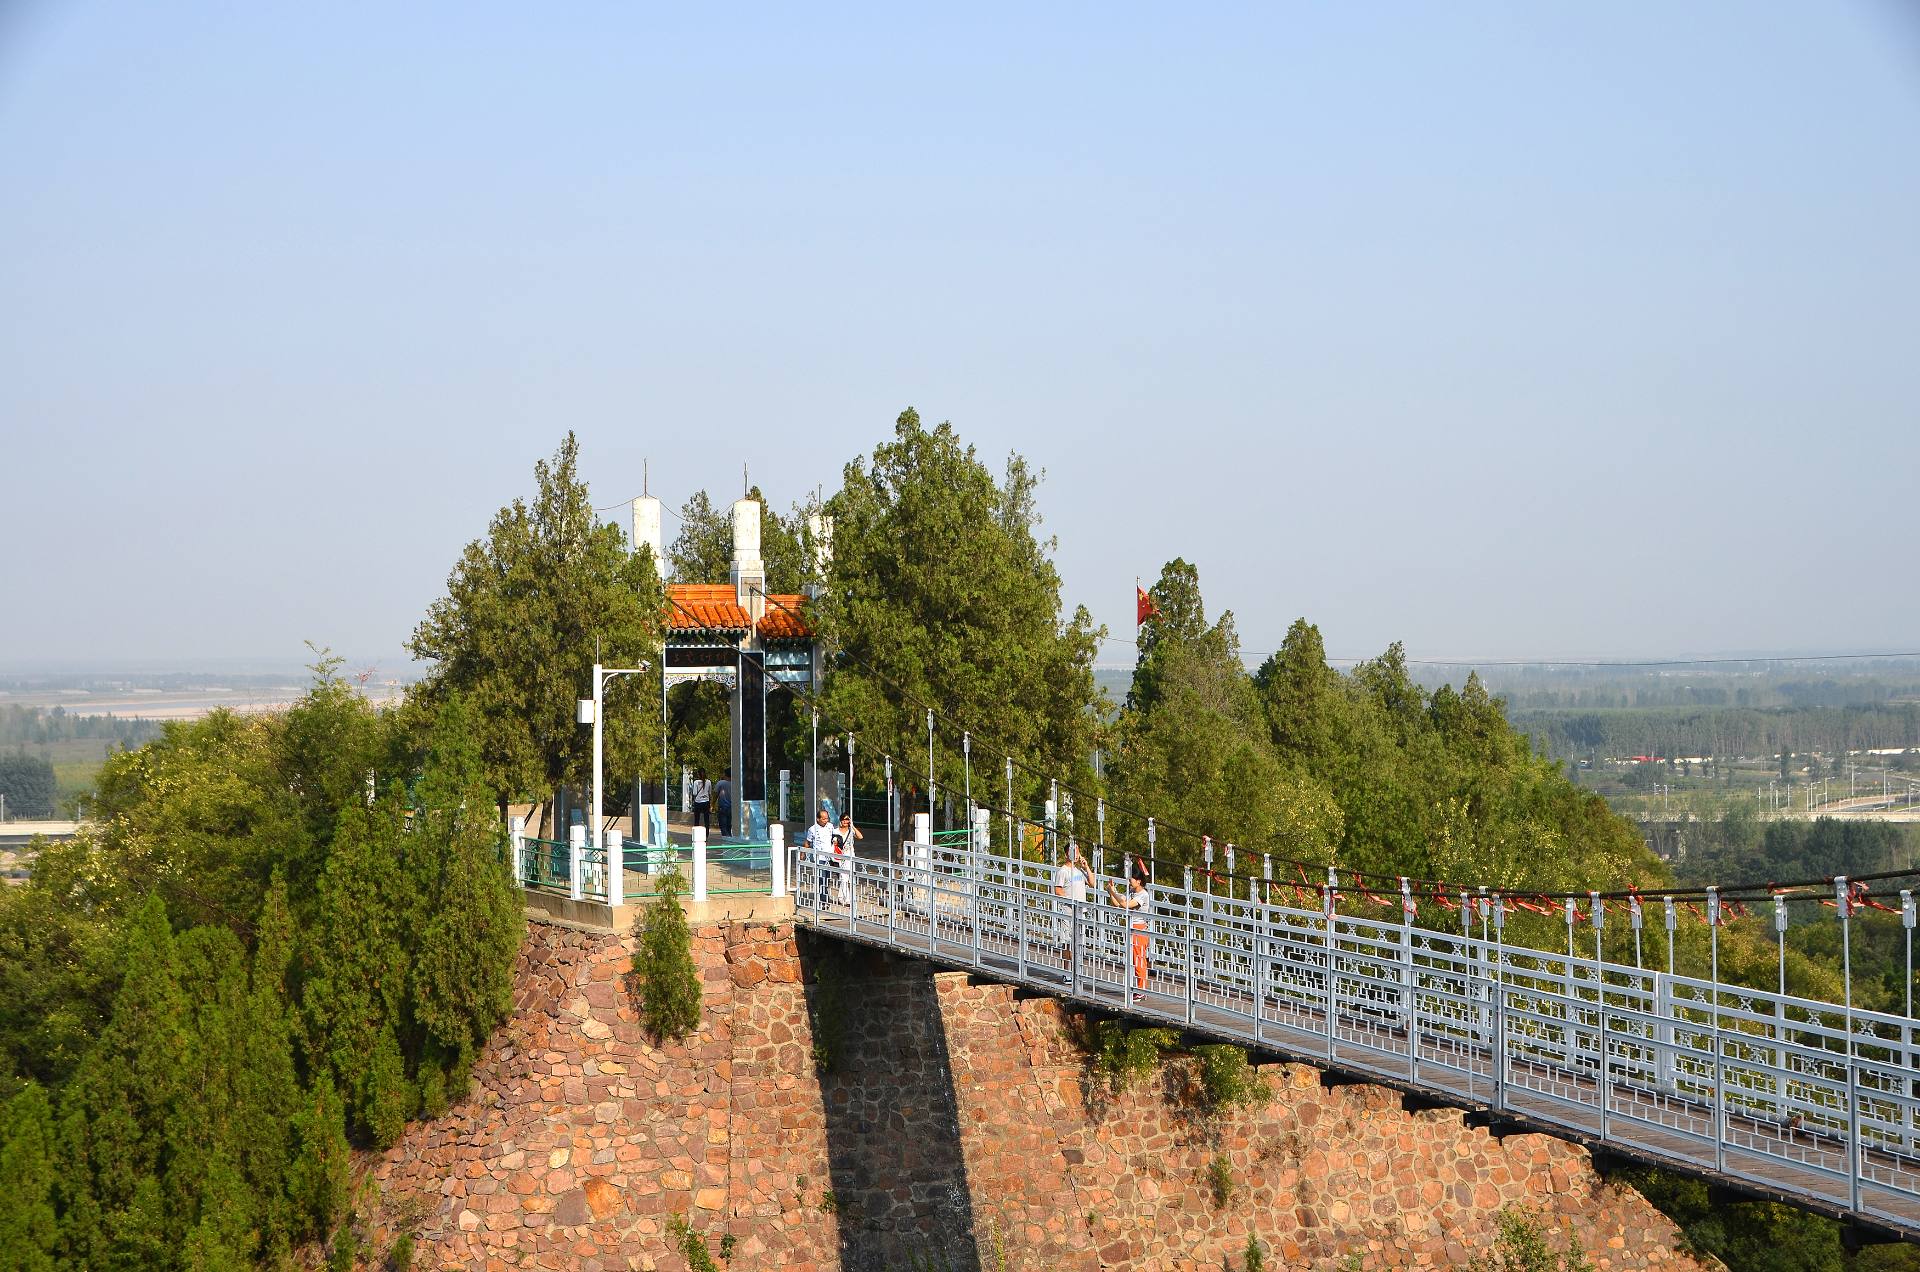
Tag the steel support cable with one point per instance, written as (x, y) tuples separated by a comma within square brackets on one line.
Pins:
[(1743, 891)]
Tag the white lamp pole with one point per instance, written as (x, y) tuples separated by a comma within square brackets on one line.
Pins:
[(592, 711)]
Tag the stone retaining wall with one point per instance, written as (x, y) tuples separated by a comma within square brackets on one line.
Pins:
[(957, 1128)]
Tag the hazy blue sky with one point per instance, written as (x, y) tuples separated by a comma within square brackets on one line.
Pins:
[(1503, 329)]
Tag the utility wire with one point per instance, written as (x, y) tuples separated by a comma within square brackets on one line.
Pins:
[(1420, 885)]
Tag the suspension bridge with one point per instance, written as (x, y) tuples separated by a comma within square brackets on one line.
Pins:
[(1809, 1102)]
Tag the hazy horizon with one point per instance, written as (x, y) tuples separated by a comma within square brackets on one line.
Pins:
[(1500, 331)]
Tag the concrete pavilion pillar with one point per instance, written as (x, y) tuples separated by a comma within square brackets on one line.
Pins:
[(748, 750)]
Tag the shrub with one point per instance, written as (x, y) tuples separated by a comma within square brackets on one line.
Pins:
[(400, 1253), (1254, 1260), (433, 1089), (828, 1009), (1228, 1081), (1521, 1246), (692, 1246), (1220, 1180), (663, 970), (1124, 1056)]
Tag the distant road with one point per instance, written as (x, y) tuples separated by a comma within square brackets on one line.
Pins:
[(177, 704)]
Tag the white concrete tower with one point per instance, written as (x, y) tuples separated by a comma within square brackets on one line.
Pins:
[(749, 572), (646, 529)]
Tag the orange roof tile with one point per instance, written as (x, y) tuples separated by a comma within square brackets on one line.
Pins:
[(715, 607), (705, 607), (785, 618)]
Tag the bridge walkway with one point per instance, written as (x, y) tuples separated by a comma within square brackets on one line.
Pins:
[(1794, 1100)]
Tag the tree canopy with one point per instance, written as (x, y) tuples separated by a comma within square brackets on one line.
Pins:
[(941, 592), (517, 632), (275, 934)]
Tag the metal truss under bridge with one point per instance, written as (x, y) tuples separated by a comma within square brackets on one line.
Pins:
[(1792, 1099)]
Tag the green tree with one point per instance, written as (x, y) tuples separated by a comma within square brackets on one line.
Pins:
[(472, 926), (663, 969), (321, 1174), (1193, 749), (28, 1232), (117, 1108), (516, 635), (388, 1100), (940, 593), (28, 783), (358, 975)]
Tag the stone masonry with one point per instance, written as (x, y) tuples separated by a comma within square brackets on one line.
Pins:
[(958, 1126)]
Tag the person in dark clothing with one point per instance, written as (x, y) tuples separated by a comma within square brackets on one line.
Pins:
[(723, 803), (702, 798)]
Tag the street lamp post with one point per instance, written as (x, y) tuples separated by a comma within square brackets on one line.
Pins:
[(593, 711)]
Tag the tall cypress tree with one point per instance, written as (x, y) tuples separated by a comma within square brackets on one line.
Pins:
[(28, 1232), (321, 1173), (358, 979), (463, 965), (116, 1110)]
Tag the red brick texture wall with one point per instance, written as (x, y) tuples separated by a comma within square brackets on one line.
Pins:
[(958, 1128)]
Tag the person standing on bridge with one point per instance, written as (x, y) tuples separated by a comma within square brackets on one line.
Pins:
[(1139, 900), (1070, 885), (820, 852), (843, 839)]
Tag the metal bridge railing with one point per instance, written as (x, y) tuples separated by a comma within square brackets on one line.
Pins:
[(1799, 1097)]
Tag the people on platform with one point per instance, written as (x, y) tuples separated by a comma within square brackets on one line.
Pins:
[(1070, 885), (702, 799), (723, 803), (844, 836), (1138, 900), (820, 852)]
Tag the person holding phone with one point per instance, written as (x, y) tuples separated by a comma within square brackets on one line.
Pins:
[(1138, 900)]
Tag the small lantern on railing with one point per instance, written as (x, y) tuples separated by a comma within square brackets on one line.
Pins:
[(1780, 915)]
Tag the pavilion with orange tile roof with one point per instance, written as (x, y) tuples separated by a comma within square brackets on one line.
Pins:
[(738, 635)]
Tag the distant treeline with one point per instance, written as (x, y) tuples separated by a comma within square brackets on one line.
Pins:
[(1719, 732), (38, 725), (1740, 847)]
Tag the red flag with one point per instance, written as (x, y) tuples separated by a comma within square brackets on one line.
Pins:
[(1143, 606)]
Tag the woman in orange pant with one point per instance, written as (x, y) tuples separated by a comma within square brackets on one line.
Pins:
[(1139, 900)]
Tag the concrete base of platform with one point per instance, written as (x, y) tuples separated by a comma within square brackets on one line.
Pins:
[(595, 916)]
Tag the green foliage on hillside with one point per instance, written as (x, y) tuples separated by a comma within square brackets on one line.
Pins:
[(274, 924), (1367, 770)]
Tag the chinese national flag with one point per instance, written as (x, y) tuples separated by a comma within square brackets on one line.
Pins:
[(1143, 606)]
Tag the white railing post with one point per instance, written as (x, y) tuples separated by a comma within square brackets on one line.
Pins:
[(616, 869), (699, 863), (1326, 910), (576, 858), (517, 833), (1499, 1002), (777, 846), (1409, 1013)]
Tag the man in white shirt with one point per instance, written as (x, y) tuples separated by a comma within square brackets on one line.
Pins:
[(1070, 885), (820, 853)]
